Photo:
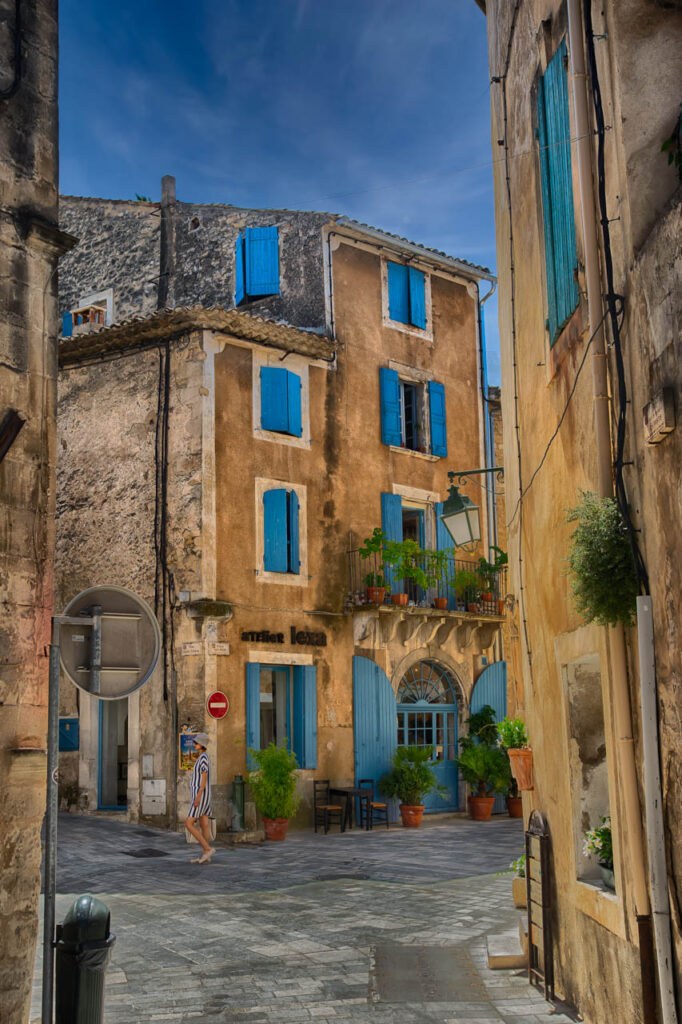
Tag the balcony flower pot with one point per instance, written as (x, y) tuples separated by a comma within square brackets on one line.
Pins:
[(473, 608), (376, 595), (442, 603), (500, 607), (481, 807), (400, 599), (275, 828), (487, 595), (521, 761), (411, 815), (515, 806)]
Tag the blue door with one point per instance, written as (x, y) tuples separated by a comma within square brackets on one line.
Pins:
[(427, 717), (491, 688), (373, 721)]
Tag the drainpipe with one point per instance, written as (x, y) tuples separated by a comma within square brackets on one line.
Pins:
[(627, 773), (488, 433)]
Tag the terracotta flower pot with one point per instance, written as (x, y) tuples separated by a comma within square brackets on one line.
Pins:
[(515, 806), (275, 828), (441, 602), (473, 607), (500, 607), (521, 761), (488, 596), (399, 599), (376, 595), (411, 815), (481, 807)]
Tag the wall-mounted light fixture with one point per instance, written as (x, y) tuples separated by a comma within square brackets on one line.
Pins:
[(460, 516)]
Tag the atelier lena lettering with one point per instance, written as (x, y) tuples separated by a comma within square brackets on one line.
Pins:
[(302, 637)]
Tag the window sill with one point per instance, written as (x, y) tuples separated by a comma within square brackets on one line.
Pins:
[(412, 451), (602, 905), (425, 333)]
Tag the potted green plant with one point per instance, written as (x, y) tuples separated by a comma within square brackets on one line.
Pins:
[(410, 779), (375, 581), (467, 583), (599, 843), (273, 786), (435, 569), (489, 573), (519, 891), (405, 557), (486, 770), (514, 739)]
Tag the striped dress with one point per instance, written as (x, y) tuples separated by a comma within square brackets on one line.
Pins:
[(201, 765)]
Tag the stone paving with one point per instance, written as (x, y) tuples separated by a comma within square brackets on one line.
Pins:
[(306, 930)]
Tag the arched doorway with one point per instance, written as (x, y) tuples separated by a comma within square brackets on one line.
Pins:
[(427, 716)]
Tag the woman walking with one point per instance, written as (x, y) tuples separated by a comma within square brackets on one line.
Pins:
[(200, 806)]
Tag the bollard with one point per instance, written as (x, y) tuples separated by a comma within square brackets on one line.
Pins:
[(84, 944), (238, 801)]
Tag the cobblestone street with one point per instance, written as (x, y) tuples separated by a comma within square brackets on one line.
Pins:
[(379, 927)]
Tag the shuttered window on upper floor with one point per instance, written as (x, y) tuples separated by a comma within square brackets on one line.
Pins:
[(406, 295), (405, 407), (281, 531), (256, 264), (554, 138), (280, 401)]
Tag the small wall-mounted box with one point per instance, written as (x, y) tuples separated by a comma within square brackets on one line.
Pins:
[(659, 416)]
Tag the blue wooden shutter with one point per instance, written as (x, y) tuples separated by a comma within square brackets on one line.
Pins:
[(444, 542), (262, 262), (274, 413), (293, 527), (491, 688), (305, 715), (252, 710), (392, 525), (68, 733), (439, 440), (239, 289), (67, 325), (417, 298), (557, 193), (398, 293), (294, 426), (275, 546), (389, 387), (374, 723)]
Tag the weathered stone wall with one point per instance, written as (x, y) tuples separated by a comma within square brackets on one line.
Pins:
[(120, 248), (596, 958), (29, 247)]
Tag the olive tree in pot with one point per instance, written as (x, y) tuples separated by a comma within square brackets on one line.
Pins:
[(486, 770), (410, 779), (273, 785), (514, 739)]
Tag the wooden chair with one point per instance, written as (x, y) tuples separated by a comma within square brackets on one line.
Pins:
[(371, 809), (324, 810)]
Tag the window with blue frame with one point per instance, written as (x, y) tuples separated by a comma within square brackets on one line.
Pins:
[(280, 401), (256, 264), (406, 295), (281, 531), (554, 138), (412, 413), (281, 708)]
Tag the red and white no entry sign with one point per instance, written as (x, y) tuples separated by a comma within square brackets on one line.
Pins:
[(217, 704)]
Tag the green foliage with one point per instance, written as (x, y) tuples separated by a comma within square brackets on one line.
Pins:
[(411, 777), (673, 145), (142, 199), (482, 728), (516, 867), (375, 579), (599, 842), (512, 733), (273, 784), (405, 556), (468, 585), (485, 769), (373, 544), (604, 582), (489, 571)]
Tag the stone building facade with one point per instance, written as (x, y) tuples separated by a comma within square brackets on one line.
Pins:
[(30, 245), (583, 97), (264, 427)]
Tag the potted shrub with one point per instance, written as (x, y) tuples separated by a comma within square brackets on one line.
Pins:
[(375, 581), (435, 568), (519, 892), (405, 556), (514, 739), (489, 573), (486, 770), (410, 779), (599, 843), (514, 801), (467, 583), (273, 786)]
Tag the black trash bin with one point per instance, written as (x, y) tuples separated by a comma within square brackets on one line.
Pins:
[(84, 944)]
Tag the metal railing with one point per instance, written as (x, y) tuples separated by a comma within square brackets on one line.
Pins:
[(369, 576)]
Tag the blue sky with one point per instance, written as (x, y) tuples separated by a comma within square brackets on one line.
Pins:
[(378, 109)]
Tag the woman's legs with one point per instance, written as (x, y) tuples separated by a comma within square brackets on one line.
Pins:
[(192, 828)]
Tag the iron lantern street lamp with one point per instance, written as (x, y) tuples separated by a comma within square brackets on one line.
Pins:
[(460, 516)]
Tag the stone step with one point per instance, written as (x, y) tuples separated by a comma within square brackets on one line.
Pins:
[(508, 950)]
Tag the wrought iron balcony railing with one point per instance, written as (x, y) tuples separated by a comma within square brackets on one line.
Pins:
[(373, 581)]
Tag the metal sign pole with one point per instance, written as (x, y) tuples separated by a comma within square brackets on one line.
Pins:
[(51, 825)]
